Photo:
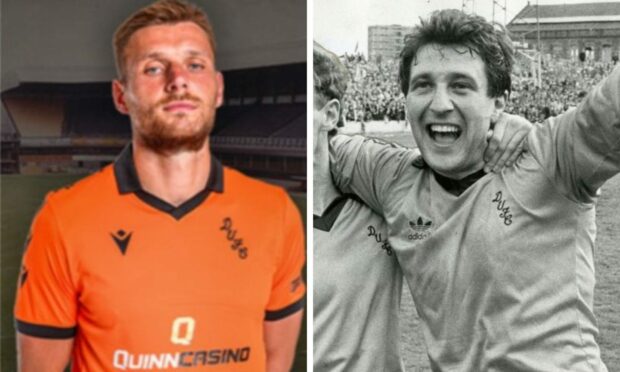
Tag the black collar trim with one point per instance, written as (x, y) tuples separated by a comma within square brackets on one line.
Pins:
[(454, 187), (326, 221), (127, 182), (457, 187)]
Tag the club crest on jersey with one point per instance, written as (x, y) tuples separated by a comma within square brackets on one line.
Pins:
[(380, 239), (421, 229), (122, 238), (505, 213), (236, 244)]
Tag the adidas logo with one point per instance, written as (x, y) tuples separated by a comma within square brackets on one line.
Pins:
[(421, 229), (121, 238), (420, 225)]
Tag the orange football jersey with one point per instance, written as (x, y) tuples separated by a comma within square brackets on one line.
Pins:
[(144, 285)]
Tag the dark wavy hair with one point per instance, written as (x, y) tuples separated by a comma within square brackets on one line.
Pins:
[(453, 27)]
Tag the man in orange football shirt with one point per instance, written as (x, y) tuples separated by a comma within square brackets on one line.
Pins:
[(165, 259)]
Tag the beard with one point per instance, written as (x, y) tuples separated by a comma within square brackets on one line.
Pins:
[(166, 135)]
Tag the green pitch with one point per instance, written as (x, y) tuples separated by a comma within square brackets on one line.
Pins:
[(21, 198)]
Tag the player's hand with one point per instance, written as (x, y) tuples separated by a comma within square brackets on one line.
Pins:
[(506, 141)]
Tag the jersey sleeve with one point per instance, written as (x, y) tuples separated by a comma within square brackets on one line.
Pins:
[(580, 149), (46, 302), (288, 288), (368, 168)]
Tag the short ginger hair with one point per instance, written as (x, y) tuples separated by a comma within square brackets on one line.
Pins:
[(162, 12)]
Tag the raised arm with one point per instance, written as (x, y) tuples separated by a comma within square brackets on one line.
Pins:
[(581, 148)]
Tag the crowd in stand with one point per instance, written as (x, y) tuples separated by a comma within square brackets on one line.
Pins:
[(564, 85), (374, 93)]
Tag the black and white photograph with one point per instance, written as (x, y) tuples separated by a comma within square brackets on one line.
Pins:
[(153, 184), (465, 185)]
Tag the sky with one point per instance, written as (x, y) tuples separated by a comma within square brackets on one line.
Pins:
[(341, 25)]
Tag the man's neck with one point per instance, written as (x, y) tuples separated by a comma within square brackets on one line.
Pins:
[(173, 178), (325, 192)]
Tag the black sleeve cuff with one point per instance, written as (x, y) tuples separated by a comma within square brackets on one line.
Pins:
[(37, 330), (289, 310)]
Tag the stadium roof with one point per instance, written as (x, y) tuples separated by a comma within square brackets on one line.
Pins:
[(569, 13)]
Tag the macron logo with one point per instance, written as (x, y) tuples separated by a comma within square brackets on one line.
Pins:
[(121, 238)]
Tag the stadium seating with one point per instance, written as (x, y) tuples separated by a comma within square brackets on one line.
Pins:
[(259, 120)]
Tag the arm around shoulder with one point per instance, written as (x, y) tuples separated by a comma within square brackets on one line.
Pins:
[(367, 167)]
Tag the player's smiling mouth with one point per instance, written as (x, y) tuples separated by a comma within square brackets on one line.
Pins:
[(444, 134)]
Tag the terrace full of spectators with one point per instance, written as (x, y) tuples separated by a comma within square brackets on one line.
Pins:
[(374, 92)]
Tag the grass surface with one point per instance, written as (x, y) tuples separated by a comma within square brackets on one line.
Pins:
[(21, 198)]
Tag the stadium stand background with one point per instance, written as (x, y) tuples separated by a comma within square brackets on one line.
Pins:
[(58, 114)]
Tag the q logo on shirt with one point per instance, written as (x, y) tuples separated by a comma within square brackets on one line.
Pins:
[(183, 330)]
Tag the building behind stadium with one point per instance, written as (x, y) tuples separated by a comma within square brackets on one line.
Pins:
[(386, 42), (57, 110), (572, 31)]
